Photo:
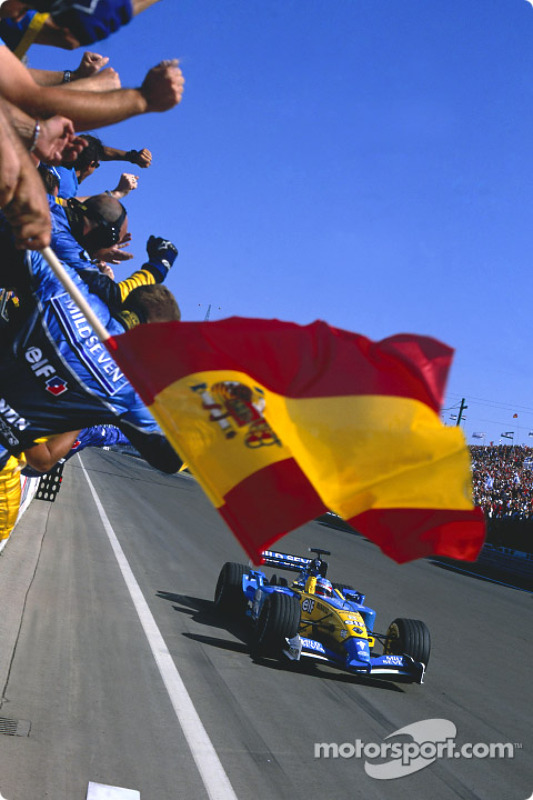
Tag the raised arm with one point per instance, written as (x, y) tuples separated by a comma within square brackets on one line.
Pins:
[(161, 90), (92, 75), (143, 158), (23, 198)]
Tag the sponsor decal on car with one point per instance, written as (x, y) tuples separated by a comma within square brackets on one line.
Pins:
[(311, 644), (397, 661)]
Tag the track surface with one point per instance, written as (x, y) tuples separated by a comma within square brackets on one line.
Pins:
[(82, 673)]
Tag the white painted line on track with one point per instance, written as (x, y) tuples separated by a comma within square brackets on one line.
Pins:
[(101, 791), (212, 772)]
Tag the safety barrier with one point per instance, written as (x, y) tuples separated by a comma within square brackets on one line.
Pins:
[(513, 562), (497, 561)]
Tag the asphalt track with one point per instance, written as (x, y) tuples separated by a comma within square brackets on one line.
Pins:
[(77, 666)]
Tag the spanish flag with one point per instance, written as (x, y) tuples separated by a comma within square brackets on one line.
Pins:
[(281, 422)]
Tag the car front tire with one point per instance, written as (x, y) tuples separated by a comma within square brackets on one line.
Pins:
[(279, 620), (408, 637)]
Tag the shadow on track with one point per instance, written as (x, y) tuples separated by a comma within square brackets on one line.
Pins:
[(202, 611)]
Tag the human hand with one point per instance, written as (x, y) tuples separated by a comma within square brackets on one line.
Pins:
[(57, 140), (162, 87), (105, 269), (161, 254), (28, 212), (60, 36), (115, 254), (126, 184), (143, 158), (90, 64), (106, 80)]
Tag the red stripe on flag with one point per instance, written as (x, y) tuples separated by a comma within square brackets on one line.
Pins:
[(292, 360), (268, 504), (405, 533)]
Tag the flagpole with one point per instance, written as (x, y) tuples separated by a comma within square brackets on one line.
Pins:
[(62, 275)]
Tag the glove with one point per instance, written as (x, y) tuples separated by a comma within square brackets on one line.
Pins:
[(161, 254)]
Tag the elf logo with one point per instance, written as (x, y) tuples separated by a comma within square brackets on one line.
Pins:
[(42, 368), (55, 386)]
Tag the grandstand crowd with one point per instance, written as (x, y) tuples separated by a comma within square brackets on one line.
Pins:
[(503, 480)]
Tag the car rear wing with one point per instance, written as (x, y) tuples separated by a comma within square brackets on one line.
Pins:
[(285, 561)]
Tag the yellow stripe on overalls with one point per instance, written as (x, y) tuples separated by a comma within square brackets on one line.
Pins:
[(32, 31), (10, 495)]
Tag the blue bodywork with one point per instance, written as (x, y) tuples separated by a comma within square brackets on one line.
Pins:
[(354, 654)]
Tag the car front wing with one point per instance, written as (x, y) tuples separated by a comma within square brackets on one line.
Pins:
[(385, 666)]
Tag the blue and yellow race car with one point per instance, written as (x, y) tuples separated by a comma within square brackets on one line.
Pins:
[(314, 618)]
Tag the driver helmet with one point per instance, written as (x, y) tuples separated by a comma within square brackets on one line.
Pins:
[(324, 588)]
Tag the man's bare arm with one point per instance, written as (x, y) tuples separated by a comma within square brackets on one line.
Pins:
[(25, 205), (54, 36), (104, 81), (161, 90), (45, 455), (143, 158), (9, 162), (52, 142), (92, 75)]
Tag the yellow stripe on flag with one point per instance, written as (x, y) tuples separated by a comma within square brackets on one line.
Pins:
[(375, 452), (359, 452)]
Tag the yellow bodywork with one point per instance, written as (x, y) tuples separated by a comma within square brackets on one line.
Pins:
[(332, 626)]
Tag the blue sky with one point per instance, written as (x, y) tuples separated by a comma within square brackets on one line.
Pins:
[(365, 162)]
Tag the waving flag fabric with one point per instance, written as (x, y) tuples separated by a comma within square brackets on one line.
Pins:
[(281, 422)]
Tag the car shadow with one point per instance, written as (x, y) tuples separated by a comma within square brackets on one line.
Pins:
[(204, 613), (221, 644)]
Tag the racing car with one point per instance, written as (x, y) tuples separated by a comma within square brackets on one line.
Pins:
[(312, 618)]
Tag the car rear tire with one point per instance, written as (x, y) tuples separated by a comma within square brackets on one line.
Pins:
[(229, 596), (279, 620), (408, 637)]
